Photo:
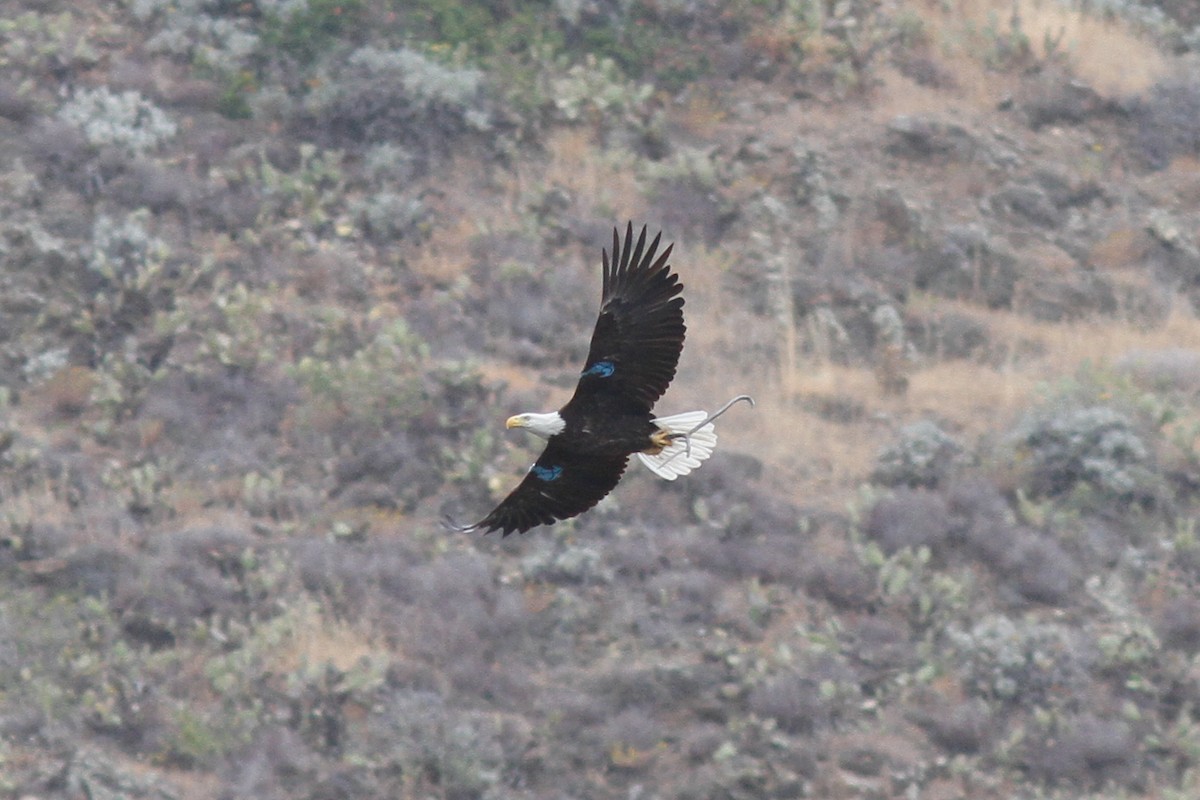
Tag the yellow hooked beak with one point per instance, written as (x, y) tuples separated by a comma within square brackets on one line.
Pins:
[(514, 422)]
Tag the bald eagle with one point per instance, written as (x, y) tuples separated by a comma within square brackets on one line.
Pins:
[(631, 361)]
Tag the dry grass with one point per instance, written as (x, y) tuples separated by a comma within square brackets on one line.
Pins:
[(1099, 341), (1105, 54), (1121, 249), (1178, 184), (592, 175), (469, 204), (68, 391), (316, 641), (898, 94), (447, 253), (185, 783), (521, 380), (808, 456), (964, 391), (702, 114), (977, 397), (701, 270)]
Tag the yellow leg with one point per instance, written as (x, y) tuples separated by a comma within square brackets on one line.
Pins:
[(659, 440)]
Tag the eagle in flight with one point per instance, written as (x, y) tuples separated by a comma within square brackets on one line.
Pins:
[(632, 358)]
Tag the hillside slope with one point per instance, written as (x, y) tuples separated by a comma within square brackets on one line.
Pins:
[(273, 274)]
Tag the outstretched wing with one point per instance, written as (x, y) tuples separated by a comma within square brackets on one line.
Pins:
[(639, 334), (558, 486)]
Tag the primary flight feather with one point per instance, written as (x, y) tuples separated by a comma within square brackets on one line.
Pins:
[(630, 363)]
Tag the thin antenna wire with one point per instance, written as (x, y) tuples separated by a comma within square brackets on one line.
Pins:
[(687, 437)]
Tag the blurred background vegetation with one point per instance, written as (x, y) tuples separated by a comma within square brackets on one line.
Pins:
[(273, 272)]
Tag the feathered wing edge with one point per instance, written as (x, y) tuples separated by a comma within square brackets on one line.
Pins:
[(631, 257), (639, 331), (576, 485)]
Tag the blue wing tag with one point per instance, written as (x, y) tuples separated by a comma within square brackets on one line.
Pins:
[(546, 473), (601, 369)]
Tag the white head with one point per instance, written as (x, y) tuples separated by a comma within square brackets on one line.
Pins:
[(543, 425)]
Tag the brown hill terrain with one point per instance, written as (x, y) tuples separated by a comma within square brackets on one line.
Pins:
[(272, 275)]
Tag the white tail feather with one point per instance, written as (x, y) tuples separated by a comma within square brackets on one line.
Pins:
[(681, 457)]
